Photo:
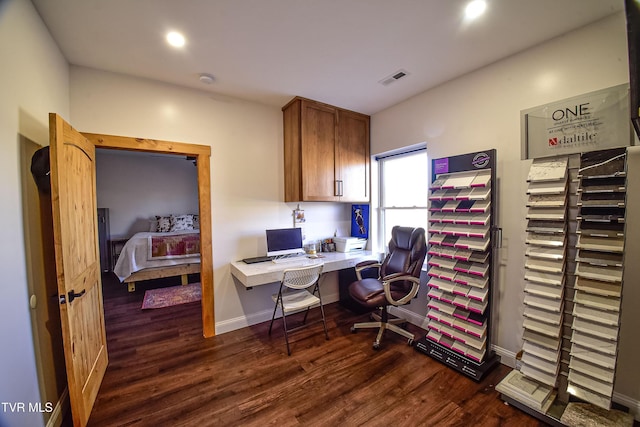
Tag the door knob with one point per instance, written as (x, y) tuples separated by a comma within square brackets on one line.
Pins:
[(71, 295)]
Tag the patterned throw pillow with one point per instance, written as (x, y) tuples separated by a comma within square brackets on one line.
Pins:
[(196, 222), (164, 224), (181, 222)]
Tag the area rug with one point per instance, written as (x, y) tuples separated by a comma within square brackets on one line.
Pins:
[(175, 295)]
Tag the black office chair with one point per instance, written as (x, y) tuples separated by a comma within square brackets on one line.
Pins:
[(397, 283)]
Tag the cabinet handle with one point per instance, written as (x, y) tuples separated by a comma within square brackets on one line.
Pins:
[(338, 188)]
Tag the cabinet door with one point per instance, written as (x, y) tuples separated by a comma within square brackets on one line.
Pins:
[(352, 157), (318, 152)]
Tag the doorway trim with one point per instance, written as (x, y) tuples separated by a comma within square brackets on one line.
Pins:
[(202, 155)]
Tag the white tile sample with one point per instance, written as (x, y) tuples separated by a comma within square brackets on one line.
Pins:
[(547, 214), (541, 252), (594, 315), (590, 355), (548, 169), (537, 374), (541, 352), (550, 304), (555, 279), (597, 301), (552, 317), (549, 240), (602, 273), (545, 265), (541, 364), (551, 187)]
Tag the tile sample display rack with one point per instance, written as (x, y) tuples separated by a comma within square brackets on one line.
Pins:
[(545, 265), (599, 270), (589, 313), (461, 228)]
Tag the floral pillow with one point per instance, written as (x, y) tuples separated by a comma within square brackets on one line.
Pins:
[(181, 222), (163, 224), (196, 222)]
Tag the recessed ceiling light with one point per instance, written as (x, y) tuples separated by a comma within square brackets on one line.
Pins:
[(175, 39), (475, 9)]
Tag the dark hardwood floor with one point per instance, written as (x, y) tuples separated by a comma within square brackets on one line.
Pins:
[(163, 372)]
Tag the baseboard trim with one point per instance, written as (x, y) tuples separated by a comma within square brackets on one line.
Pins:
[(627, 402), (259, 317), (411, 317), (507, 357), (60, 410)]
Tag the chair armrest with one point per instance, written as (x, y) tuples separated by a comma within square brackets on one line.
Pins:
[(396, 277), (364, 265)]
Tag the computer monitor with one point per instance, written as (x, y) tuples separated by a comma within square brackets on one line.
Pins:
[(284, 241)]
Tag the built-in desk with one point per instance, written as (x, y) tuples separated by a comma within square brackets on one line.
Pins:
[(262, 273)]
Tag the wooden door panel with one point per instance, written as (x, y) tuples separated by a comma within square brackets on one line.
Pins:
[(318, 148), (353, 156), (75, 231)]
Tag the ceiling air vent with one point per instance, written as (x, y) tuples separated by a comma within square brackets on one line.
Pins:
[(393, 77)]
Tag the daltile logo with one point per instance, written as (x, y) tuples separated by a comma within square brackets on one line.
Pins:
[(579, 138)]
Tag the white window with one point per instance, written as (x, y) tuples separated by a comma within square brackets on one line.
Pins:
[(404, 191)]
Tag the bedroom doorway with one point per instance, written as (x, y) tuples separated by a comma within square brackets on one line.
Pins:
[(201, 155), (72, 175)]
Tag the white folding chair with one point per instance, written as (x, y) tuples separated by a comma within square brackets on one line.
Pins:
[(294, 296)]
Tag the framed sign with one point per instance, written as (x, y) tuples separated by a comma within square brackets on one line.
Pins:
[(593, 121)]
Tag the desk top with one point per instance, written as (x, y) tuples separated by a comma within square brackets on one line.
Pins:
[(262, 273)]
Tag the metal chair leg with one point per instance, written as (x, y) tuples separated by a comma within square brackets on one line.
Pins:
[(324, 321), (286, 336), (306, 313), (274, 314)]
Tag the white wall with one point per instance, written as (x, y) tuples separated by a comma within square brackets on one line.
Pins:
[(33, 82), (481, 110), (137, 186), (247, 170)]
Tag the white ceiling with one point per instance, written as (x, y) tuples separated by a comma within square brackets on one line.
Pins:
[(335, 51)]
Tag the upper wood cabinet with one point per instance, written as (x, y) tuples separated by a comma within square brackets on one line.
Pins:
[(326, 153)]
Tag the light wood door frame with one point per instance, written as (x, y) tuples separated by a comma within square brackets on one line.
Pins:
[(202, 155)]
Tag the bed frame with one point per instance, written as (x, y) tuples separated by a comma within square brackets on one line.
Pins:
[(161, 272)]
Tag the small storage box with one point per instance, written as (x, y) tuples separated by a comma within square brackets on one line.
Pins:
[(349, 244)]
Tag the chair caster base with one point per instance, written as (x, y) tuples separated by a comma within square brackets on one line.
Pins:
[(376, 346), (353, 330), (410, 342)]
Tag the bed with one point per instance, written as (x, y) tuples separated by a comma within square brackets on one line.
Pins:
[(153, 255)]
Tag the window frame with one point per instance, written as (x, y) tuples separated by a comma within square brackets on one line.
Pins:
[(383, 210)]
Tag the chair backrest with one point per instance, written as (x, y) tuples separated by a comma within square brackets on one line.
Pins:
[(303, 277), (407, 251)]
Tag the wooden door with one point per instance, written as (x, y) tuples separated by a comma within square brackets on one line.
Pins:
[(318, 152), (75, 233), (352, 154)]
